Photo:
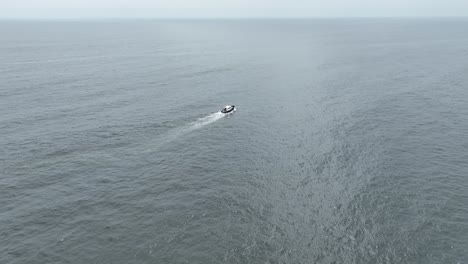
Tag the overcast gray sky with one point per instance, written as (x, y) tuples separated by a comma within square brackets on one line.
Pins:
[(229, 8)]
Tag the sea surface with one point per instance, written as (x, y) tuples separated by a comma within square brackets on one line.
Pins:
[(349, 144)]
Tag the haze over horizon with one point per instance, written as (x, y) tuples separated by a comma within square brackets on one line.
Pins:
[(55, 9)]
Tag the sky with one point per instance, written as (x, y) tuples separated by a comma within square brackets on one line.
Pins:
[(52, 9)]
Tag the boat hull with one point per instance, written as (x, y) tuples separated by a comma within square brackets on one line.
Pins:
[(224, 111)]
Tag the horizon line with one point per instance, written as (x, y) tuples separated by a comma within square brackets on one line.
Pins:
[(228, 17)]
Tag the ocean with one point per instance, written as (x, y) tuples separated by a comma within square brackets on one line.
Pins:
[(349, 143)]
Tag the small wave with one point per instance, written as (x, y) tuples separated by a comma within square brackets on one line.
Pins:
[(69, 59)]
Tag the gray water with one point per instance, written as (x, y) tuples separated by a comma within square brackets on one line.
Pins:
[(350, 143)]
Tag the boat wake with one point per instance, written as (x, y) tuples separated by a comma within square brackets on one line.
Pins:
[(190, 127), (201, 122)]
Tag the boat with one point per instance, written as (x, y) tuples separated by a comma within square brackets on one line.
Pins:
[(228, 109)]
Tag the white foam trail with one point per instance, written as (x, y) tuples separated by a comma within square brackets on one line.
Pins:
[(201, 122)]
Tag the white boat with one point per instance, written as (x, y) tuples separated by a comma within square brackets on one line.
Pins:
[(228, 109)]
